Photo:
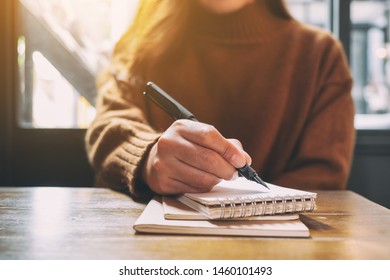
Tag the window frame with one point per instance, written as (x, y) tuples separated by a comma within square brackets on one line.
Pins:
[(31, 157), (6, 88), (368, 140)]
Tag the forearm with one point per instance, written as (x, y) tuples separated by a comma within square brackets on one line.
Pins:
[(117, 156), (118, 141)]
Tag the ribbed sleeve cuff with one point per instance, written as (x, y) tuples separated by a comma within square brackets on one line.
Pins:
[(122, 170), (133, 155)]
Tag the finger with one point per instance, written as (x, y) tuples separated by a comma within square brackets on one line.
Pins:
[(238, 144), (204, 159), (186, 178), (209, 137), (173, 145), (196, 179)]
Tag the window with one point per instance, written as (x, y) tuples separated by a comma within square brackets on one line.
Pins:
[(62, 45), (366, 38), (310, 11), (370, 47)]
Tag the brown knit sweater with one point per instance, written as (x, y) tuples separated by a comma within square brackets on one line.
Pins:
[(280, 87)]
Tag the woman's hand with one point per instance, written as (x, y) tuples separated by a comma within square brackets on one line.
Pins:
[(192, 157)]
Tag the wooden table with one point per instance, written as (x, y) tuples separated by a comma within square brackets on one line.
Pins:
[(89, 223)]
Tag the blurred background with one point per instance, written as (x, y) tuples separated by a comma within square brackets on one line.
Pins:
[(54, 48)]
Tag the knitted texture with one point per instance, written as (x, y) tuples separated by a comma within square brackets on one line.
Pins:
[(282, 88)]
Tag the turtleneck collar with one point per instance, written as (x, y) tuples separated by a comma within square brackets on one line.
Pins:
[(252, 23)]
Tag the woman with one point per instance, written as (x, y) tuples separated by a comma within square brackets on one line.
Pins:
[(248, 71)]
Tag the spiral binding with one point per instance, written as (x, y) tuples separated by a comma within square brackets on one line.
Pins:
[(273, 201), (313, 204), (264, 205), (233, 209), (243, 207), (294, 203), (223, 209), (253, 208)]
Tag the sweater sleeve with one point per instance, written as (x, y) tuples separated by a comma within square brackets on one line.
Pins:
[(119, 139), (322, 158)]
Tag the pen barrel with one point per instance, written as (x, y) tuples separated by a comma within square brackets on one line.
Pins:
[(167, 103)]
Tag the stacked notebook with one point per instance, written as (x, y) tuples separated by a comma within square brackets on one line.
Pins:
[(238, 207)]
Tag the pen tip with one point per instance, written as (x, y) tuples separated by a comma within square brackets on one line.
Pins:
[(261, 182)]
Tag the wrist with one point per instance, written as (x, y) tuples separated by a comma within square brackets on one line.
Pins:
[(146, 165)]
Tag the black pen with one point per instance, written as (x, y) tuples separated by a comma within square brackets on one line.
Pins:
[(177, 111)]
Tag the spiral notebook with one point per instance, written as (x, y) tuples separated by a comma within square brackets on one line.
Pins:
[(244, 198), (152, 221), (175, 210)]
